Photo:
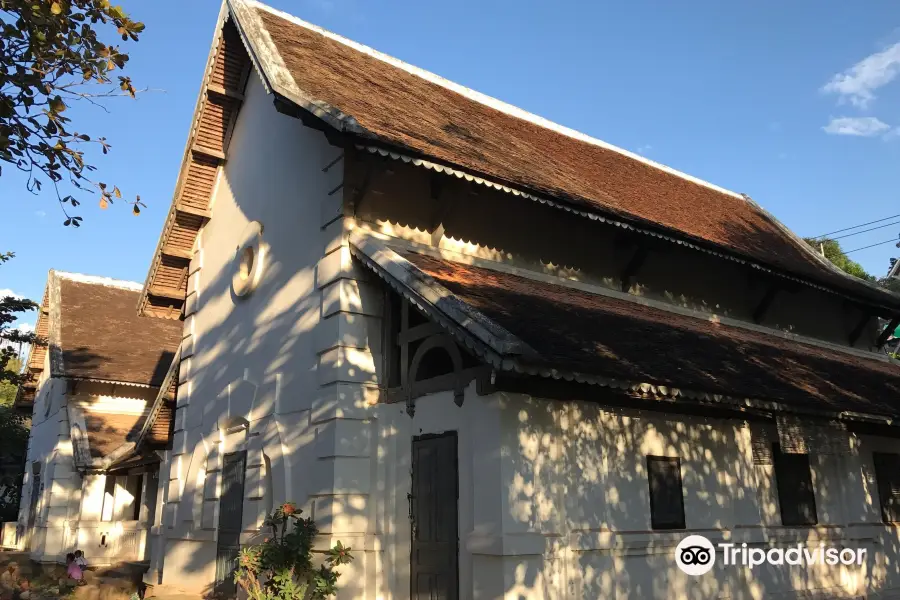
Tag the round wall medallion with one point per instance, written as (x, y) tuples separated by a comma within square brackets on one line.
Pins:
[(249, 261)]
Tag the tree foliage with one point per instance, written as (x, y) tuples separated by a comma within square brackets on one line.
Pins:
[(13, 428), (281, 568), (891, 283), (52, 54), (835, 254), (7, 388), (12, 338)]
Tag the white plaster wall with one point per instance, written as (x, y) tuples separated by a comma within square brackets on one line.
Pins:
[(253, 357), (69, 511), (554, 503), (479, 462), (50, 447)]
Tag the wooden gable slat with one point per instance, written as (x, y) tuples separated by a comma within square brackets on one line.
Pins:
[(217, 113)]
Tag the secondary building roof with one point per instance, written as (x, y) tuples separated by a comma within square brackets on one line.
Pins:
[(100, 336), (537, 325), (91, 330)]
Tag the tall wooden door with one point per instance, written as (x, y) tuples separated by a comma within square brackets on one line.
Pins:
[(434, 573), (231, 513)]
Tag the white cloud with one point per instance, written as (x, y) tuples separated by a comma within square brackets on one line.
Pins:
[(859, 83), (25, 327), (858, 126), (4, 292), (644, 148), (40, 213)]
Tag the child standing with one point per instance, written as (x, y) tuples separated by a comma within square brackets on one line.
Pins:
[(73, 571)]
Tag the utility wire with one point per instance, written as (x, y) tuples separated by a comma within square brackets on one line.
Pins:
[(855, 226), (872, 246), (846, 235)]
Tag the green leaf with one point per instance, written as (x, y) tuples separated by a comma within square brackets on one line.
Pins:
[(57, 105)]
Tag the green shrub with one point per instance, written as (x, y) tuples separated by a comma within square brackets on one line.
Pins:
[(281, 568)]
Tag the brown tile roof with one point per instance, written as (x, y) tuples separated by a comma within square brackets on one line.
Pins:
[(108, 431), (102, 337), (577, 331), (394, 106)]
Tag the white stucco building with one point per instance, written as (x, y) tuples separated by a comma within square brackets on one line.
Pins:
[(496, 357), (87, 485)]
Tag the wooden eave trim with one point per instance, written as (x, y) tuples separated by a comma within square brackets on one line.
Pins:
[(190, 210), (211, 152), (174, 252), (161, 398), (209, 93), (166, 292), (227, 93)]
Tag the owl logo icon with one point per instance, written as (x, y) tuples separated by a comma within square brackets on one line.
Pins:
[(695, 555)]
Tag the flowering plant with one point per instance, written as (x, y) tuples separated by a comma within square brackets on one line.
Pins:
[(281, 568)]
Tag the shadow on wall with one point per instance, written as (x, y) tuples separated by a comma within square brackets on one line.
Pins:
[(270, 332), (563, 485), (564, 488)]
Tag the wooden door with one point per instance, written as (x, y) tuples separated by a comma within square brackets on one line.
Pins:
[(33, 508), (231, 512), (434, 573)]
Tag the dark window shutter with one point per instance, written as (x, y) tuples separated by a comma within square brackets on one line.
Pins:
[(887, 474), (795, 490), (666, 495)]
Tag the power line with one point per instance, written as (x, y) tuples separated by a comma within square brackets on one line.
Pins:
[(856, 226), (846, 235), (872, 246)]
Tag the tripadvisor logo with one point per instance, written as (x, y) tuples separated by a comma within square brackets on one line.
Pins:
[(696, 555)]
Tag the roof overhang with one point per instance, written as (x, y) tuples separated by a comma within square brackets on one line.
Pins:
[(509, 355), (647, 229)]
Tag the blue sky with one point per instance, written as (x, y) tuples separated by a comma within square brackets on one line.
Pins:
[(795, 103)]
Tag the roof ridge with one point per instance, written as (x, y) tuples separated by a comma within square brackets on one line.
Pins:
[(489, 101), (100, 280)]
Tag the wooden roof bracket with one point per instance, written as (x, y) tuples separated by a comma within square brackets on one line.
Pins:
[(762, 307), (860, 327), (358, 191), (633, 266)]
